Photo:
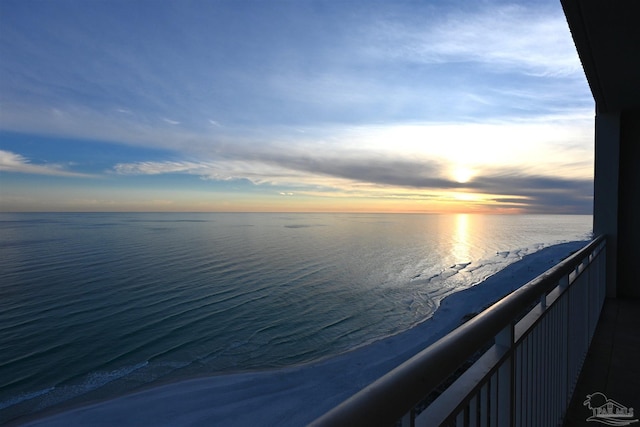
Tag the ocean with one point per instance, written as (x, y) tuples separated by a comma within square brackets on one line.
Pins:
[(95, 305)]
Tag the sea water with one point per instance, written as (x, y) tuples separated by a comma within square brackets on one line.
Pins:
[(96, 305)]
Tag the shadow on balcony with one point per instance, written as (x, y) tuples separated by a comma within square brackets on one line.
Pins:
[(611, 366)]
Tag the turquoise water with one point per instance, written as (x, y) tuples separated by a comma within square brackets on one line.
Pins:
[(95, 305)]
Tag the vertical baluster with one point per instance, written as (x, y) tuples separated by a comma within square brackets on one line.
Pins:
[(461, 418), (553, 386), (562, 355), (570, 338), (546, 406), (518, 356), (553, 362), (563, 307), (484, 405), (505, 379), (540, 368), (543, 369), (587, 314), (473, 412), (550, 362), (526, 393), (564, 343), (493, 399), (528, 384), (533, 378)]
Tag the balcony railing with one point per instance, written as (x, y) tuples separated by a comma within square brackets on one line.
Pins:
[(537, 338)]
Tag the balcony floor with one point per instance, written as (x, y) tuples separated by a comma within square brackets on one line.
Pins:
[(612, 366)]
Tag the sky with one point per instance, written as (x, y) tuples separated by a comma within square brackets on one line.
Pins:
[(293, 106)]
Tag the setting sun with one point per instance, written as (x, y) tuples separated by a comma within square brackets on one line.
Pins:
[(462, 174)]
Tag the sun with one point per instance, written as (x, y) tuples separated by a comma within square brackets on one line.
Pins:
[(462, 174)]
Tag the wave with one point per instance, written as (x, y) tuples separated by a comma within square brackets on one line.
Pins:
[(61, 393), (24, 397)]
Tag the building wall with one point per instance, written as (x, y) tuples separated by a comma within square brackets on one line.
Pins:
[(617, 198), (628, 269), (605, 200)]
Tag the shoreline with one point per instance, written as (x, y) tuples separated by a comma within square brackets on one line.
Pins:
[(298, 394)]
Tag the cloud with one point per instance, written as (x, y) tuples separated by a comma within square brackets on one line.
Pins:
[(369, 69), (362, 167), (508, 37), (290, 170), (387, 177), (220, 170), (13, 162), (543, 161), (156, 168), (539, 193)]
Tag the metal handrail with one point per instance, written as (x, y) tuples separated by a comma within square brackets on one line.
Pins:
[(387, 399)]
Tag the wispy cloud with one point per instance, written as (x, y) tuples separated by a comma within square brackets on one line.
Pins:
[(372, 68), (13, 162), (156, 168), (495, 36)]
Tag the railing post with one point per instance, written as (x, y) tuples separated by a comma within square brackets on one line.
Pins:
[(564, 344)]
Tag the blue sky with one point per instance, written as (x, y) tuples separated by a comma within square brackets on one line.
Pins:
[(430, 106)]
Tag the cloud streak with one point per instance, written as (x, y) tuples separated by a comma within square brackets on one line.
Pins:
[(375, 65), (388, 178), (493, 36), (16, 163)]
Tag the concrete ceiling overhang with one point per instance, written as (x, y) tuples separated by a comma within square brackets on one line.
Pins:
[(607, 36)]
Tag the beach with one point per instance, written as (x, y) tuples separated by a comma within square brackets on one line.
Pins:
[(294, 396)]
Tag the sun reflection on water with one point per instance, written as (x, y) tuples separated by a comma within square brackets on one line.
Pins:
[(461, 249)]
